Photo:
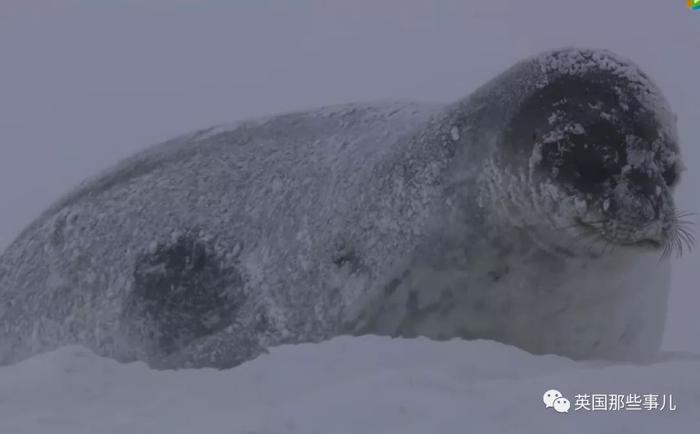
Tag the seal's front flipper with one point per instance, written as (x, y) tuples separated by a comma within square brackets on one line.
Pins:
[(228, 348), (183, 292)]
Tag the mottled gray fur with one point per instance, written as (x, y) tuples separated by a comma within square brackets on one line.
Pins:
[(363, 218)]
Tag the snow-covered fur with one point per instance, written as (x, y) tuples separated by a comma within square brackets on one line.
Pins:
[(461, 220)]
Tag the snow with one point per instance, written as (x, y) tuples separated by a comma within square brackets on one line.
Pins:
[(346, 385), (454, 133), (91, 94)]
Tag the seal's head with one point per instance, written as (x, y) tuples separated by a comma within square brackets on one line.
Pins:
[(596, 151)]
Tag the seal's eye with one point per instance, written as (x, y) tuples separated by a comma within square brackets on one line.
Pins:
[(592, 172), (590, 168), (670, 176)]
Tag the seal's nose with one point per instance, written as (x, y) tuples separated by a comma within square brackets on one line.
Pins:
[(644, 183), (642, 201), (644, 208)]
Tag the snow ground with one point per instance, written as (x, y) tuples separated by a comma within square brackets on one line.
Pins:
[(346, 385)]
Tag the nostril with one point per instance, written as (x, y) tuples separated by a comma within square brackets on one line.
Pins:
[(670, 176), (645, 184), (650, 211)]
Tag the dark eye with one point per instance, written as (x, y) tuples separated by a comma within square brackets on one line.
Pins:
[(591, 172), (670, 176)]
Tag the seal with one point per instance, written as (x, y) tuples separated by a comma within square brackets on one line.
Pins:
[(538, 211)]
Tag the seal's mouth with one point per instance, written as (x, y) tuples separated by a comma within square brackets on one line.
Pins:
[(597, 230), (646, 243)]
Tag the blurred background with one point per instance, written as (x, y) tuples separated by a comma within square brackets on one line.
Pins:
[(85, 83)]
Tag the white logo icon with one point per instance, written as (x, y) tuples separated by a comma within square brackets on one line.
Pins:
[(562, 405), (550, 396)]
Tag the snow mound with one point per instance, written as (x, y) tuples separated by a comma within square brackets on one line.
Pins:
[(346, 385)]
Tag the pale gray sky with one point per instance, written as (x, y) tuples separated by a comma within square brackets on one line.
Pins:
[(84, 83)]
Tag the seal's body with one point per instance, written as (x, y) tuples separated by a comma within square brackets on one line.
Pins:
[(532, 212)]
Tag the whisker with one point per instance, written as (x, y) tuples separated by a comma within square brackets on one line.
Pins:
[(665, 252), (688, 238), (682, 214), (669, 247), (685, 230), (679, 246)]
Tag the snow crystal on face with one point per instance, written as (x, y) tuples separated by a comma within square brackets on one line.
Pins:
[(554, 117), (536, 156), (575, 128), (558, 134), (553, 136), (454, 132)]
